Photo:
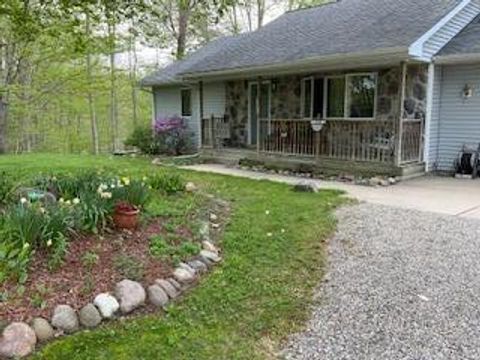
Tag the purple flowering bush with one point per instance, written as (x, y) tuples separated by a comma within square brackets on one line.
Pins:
[(173, 135), (169, 136)]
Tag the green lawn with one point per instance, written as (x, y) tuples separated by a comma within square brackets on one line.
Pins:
[(244, 307)]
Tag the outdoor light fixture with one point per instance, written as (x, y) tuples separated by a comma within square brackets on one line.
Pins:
[(467, 91)]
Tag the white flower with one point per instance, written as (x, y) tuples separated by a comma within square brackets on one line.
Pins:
[(26, 245), (106, 195), (42, 210), (144, 178), (269, 234), (61, 201), (68, 202), (23, 200), (76, 201), (267, 212), (49, 242), (112, 186), (283, 231), (126, 180)]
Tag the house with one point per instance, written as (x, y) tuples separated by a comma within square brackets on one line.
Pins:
[(391, 86)]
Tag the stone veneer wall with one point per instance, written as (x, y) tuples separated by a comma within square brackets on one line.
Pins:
[(416, 92), (287, 97)]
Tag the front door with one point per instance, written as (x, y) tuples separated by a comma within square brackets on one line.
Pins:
[(259, 103)]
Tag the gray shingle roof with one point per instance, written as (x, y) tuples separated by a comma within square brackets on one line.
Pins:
[(169, 75), (466, 42), (347, 26)]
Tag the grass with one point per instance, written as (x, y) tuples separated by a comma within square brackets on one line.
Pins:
[(274, 256)]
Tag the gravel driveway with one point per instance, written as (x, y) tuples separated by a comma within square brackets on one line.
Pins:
[(401, 284)]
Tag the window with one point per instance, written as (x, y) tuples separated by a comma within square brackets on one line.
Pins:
[(351, 96), (361, 96), (307, 98), (312, 98), (336, 97), (186, 95)]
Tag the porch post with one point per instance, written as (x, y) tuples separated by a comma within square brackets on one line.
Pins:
[(200, 96), (399, 129), (257, 110), (428, 115)]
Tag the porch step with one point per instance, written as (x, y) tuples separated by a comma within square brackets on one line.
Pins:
[(411, 171)]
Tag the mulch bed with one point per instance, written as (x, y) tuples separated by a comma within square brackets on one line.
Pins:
[(76, 283)]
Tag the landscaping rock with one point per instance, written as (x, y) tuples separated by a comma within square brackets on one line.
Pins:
[(43, 329), (130, 294), (384, 182), (374, 181), (306, 187), (183, 276), (205, 230), (18, 340), (65, 318), (392, 180), (187, 267), (210, 256), (207, 245), (89, 316), (167, 286), (157, 296), (175, 284), (190, 187), (198, 265), (107, 305)]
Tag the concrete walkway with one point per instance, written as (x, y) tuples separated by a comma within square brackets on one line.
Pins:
[(435, 194)]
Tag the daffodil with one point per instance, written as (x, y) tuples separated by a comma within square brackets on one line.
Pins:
[(23, 200), (267, 212), (49, 242), (106, 195), (26, 245), (68, 202), (269, 234), (76, 201), (126, 181)]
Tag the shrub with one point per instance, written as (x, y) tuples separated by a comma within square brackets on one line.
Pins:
[(173, 135), (143, 138), (167, 183)]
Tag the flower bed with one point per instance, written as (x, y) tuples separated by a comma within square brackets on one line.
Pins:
[(61, 246)]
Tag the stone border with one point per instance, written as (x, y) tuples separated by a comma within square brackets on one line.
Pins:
[(19, 339)]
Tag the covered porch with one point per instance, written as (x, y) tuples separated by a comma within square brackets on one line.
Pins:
[(370, 117)]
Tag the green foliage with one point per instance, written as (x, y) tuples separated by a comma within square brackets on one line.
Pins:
[(134, 192), (143, 139), (167, 183), (129, 266), (6, 187), (90, 259), (171, 248)]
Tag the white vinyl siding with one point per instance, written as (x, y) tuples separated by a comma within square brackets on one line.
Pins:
[(214, 99), (458, 119), (168, 102), (447, 32)]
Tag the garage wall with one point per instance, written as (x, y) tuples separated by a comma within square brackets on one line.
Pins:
[(455, 119)]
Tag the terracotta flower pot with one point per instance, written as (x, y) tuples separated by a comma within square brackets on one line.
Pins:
[(126, 219)]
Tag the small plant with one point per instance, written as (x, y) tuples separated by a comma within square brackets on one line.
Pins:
[(166, 248), (90, 259), (6, 188), (167, 183), (129, 266)]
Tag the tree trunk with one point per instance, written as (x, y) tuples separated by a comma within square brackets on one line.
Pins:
[(183, 17), (3, 125), (113, 91), (260, 13), (133, 77), (91, 101)]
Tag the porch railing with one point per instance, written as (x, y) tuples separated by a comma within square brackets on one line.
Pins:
[(412, 140), (356, 140), (215, 130)]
